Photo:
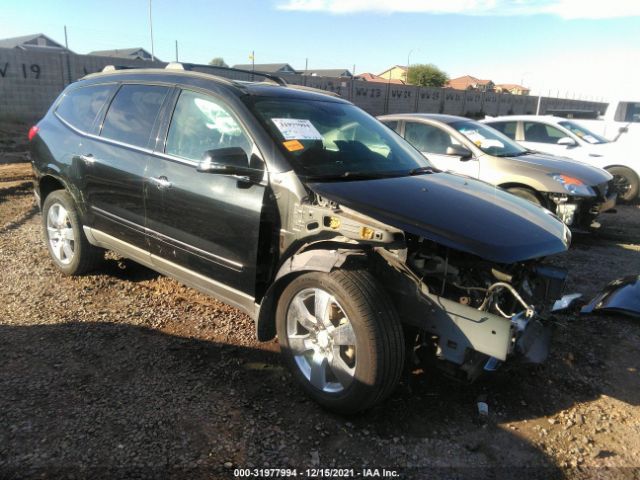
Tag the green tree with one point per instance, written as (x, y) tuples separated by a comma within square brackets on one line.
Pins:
[(426, 75), (218, 62)]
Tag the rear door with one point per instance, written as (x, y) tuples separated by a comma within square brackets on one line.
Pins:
[(114, 165), (204, 223), (433, 141)]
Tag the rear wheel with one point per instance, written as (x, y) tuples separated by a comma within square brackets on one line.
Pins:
[(68, 246), (526, 193), (341, 338), (625, 182)]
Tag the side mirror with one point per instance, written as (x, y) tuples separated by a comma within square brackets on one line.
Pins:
[(567, 142), (459, 151), (229, 161), (623, 130)]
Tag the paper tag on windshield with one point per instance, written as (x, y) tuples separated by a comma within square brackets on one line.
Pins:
[(296, 129)]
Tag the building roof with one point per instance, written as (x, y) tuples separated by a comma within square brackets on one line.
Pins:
[(462, 83), (328, 72), (370, 77), (35, 41), (267, 67), (404, 68), (511, 86), (137, 52)]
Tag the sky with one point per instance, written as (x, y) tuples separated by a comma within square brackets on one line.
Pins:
[(587, 49)]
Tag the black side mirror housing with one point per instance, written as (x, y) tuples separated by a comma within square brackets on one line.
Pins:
[(230, 161), (459, 151)]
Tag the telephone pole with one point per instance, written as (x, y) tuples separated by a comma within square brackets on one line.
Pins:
[(151, 32)]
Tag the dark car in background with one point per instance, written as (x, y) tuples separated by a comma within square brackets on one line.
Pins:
[(302, 210)]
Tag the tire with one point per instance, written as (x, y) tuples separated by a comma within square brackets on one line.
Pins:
[(626, 183), (360, 338), (526, 193), (68, 246)]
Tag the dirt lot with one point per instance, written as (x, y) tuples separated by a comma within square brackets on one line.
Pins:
[(127, 374)]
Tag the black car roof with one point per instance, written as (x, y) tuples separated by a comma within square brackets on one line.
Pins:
[(215, 82)]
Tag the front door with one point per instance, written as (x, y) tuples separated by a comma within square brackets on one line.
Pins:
[(433, 142), (542, 137), (204, 223)]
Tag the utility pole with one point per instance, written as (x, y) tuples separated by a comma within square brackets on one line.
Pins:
[(306, 64), (253, 60), (151, 32), (177, 51), (354, 70), (66, 41)]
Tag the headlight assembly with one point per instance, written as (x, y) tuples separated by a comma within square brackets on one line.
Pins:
[(573, 185)]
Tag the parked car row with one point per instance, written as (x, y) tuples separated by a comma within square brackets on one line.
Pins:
[(575, 192), (568, 138), (333, 232)]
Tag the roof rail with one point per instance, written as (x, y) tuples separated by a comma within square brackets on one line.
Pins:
[(174, 66), (113, 68), (190, 66)]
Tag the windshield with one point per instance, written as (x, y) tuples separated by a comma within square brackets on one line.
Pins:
[(489, 140), (324, 139), (583, 133)]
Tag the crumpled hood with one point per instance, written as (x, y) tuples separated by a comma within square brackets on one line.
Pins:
[(457, 212), (543, 162)]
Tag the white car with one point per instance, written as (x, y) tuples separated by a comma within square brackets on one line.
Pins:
[(620, 122), (565, 137)]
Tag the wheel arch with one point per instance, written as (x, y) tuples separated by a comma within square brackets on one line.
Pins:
[(536, 192), (619, 165), (324, 256), (48, 184)]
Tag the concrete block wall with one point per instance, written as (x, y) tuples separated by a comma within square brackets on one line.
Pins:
[(30, 81)]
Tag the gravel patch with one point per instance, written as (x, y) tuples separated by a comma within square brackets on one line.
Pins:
[(128, 374)]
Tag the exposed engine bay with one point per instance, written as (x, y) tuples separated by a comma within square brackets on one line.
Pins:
[(480, 312)]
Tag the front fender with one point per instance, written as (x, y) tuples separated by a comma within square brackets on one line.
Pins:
[(317, 259)]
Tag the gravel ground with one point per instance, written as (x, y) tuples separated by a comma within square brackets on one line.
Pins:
[(128, 374)]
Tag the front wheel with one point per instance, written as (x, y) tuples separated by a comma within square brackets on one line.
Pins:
[(525, 193), (341, 338), (625, 182)]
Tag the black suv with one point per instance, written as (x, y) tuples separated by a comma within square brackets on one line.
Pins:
[(307, 213)]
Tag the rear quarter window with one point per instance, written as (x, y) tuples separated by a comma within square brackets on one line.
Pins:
[(132, 114), (80, 107)]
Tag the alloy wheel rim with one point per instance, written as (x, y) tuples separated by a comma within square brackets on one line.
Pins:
[(60, 233), (621, 184), (322, 340)]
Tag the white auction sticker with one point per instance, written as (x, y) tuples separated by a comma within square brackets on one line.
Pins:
[(296, 129)]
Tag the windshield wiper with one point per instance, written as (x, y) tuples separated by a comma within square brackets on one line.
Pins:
[(354, 175), (419, 170), (517, 154)]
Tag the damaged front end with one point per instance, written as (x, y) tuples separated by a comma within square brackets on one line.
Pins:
[(475, 292), (581, 212), (471, 315)]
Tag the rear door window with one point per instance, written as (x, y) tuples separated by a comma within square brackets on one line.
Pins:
[(132, 114), (507, 128), (80, 107)]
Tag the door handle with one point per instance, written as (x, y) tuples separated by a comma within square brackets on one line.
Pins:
[(160, 182)]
